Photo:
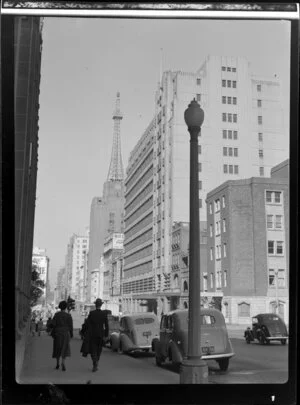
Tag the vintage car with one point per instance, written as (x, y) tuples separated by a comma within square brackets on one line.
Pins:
[(172, 343), (266, 328), (136, 333)]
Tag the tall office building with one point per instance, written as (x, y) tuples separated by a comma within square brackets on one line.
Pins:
[(41, 260), (242, 136), (107, 212)]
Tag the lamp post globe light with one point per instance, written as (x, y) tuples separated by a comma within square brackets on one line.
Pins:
[(194, 370)]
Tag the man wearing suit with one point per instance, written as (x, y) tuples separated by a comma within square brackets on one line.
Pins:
[(97, 325)]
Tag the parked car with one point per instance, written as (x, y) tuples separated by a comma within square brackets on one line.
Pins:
[(135, 333), (172, 342), (266, 328)]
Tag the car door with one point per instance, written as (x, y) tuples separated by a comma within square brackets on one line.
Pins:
[(169, 331), (162, 335)]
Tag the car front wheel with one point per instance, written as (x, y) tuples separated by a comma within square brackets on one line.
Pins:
[(223, 364)]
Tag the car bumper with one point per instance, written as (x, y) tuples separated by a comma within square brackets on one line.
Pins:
[(277, 338), (217, 356), (140, 347)]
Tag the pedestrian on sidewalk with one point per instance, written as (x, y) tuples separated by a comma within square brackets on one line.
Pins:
[(39, 326), (32, 327), (62, 332), (97, 331)]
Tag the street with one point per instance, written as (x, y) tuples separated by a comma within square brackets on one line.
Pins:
[(251, 364)]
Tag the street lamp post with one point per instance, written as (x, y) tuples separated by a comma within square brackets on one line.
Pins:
[(194, 370)]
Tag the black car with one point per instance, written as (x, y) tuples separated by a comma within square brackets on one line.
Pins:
[(266, 328)]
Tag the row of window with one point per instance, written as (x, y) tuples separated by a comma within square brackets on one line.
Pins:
[(274, 222), (274, 197), (229, 100), (217, 204), (228, 151), (228, 68), (228, 117), (218, 279), (277, 278), (218, 252), (275, 247), (217, 228), (229, 83), (229, 134), (231, 169)]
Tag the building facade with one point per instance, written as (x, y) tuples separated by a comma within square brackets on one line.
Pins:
[(248, 246), (60, 289), (41, 260), (107, 212), (242, 136)]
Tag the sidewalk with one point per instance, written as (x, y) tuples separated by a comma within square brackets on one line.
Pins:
[(114, 368)]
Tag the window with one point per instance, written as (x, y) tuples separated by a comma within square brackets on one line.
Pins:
[(223, 83), (228, 83), (229, 100), (229, 117), (269, 221), (199, 149), (261, 171), (234, 117), (198, 97), (230, 169), (205, 282), (224, 134), (230, 151), (225, 278), (277, 197), (228, 69), (281, 278), (234, 100), (223, 100), (224, 250), (211, 280), (223, 68), (270, 247), (278, 222), (225, 168), (229, 134), (223, 201), (234, 84), (210, 208), (259, 120), (258, 87), (234, 69), (236, 169), (258, 103), (279, 249), (211, 230), (198, 81), (271, 278), (235, 152), (235, 134), (261, 153), (224, 117), (224, 225), (200, 167), (268, 196), (260, 136), (200, 184), (224, 151), (217, 205), (211, 254), (244, 309)]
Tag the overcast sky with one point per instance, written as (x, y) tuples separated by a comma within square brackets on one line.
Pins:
[(85, 62)]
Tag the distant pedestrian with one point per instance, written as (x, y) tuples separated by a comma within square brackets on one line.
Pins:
[(32, 327), (97, 331), (39, 326), (49, 325), (62, 332)]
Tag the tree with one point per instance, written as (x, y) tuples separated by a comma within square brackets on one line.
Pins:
[(37, 285)]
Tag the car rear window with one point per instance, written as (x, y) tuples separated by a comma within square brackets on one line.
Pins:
[(141, 321), (207, 320)]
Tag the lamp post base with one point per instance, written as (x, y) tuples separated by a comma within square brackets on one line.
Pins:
[(194, 371)]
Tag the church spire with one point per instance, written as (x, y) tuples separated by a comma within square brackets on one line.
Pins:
[(115, 172)]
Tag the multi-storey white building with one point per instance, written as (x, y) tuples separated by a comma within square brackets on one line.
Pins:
[(75, 265), (41, 260), (242, 136)]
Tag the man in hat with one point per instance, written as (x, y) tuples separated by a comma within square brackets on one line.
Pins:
[(97, 325)]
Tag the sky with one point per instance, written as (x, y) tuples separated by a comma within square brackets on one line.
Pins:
[(85, 62)]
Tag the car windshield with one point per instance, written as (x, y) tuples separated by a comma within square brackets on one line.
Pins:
[(141, 321)]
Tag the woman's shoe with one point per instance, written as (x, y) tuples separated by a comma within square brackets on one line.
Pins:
[(63, 367), (57, 366)]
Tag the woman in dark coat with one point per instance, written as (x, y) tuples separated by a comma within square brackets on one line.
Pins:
[(62, 331)]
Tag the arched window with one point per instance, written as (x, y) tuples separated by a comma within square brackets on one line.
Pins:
[(185, 286), (243, 309), (185, 305), (176, 281)]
